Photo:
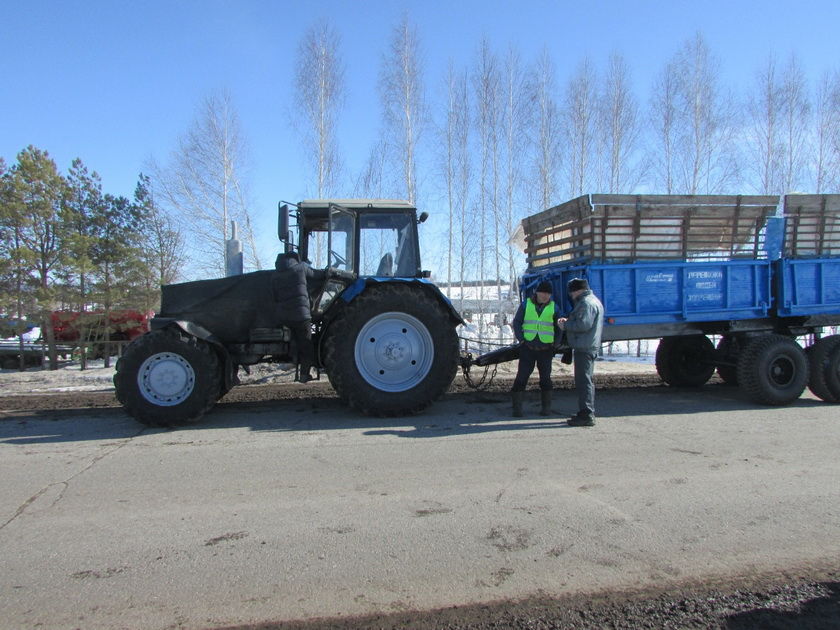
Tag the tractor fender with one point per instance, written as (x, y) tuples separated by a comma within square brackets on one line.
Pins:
[(432, 289), (193, 329)]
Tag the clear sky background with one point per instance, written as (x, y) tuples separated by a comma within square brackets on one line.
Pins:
[(116, 82)]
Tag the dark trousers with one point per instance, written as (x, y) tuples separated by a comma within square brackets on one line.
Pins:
[(584, 384), (528, 358), (302, 334)]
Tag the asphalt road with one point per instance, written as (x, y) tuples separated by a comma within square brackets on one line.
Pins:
[(294, 510)]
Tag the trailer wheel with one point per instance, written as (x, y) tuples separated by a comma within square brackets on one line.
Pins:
[(685, 361), (773, 370), (168, 378), (727, 350), (819, 363), (833, 373), (393, 351)]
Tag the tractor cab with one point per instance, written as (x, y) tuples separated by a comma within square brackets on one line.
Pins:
[(362, 237)]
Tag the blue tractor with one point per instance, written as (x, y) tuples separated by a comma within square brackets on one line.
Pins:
[(382, 332)]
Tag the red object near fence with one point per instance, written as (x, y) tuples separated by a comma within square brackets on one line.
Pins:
[(123, 325)]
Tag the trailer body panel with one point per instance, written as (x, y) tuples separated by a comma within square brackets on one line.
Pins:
[(808, 286)]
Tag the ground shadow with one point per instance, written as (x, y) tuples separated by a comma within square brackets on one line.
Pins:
[(460, 413), (821, 613)]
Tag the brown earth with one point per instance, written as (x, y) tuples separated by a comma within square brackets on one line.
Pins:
[(83, 400), (765, 603)]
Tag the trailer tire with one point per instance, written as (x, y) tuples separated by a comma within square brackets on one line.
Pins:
[(833, 373), (392, 351), (773, 370), (685, 361), (819, 363), (168, 378), (727, 350)]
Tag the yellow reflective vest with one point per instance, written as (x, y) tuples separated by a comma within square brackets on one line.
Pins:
[(541, 324)]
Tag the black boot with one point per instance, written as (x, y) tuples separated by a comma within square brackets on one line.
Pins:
[(582, 419), (304, 375), (545, 400), (517, 403)]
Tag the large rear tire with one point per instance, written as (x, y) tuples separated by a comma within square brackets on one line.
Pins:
[(393, 351), (685, 361), (773, 370), (819, 363), (168, 378)]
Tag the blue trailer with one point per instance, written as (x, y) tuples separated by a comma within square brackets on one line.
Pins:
[(756, 271)]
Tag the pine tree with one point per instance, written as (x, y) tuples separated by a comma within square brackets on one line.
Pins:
[(36, 194)]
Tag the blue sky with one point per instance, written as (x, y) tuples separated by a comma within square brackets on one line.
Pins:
[(116, 82)]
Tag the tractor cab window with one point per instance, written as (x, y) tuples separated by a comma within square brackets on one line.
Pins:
[(341, 239), (387, 244), (329, 239)]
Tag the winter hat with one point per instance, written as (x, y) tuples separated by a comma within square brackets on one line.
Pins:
[(577, 284), (544, 287)]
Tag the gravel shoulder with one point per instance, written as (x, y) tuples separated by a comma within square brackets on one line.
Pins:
[(72, 388), (769, 602)]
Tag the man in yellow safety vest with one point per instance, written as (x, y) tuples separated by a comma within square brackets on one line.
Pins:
[(534, 325)]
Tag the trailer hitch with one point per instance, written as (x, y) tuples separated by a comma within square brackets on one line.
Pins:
[(467, 361), (486, 360)]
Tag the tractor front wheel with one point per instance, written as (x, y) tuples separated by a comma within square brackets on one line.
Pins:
[(167, 378)]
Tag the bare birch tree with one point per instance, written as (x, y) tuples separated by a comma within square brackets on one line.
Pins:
[(162, 243), (204, 185), (664, 129), (403, 101), (763, 134), (319, 79), (796, 111), (454, 136), (516, 118), (579, 115), (705, 157), (371, 182), (486, 80), (620, 128), (546, 130), (827, 133)]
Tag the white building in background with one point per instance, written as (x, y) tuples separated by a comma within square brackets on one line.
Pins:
[(487, 312)]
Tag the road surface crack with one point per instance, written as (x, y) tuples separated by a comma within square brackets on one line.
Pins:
[(65, 484)]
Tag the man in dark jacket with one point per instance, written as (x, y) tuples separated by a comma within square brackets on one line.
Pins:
[(293, 308), (583, 333), (535, 327)]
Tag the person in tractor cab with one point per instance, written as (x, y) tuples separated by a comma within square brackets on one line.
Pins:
[(534, 326), (293, 307), (583, 332)]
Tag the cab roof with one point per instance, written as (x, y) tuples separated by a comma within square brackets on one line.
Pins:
[(357, 204)]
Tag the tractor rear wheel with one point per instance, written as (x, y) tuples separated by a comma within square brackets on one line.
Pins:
[(168, 378), (773, 370), (393, 351)]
